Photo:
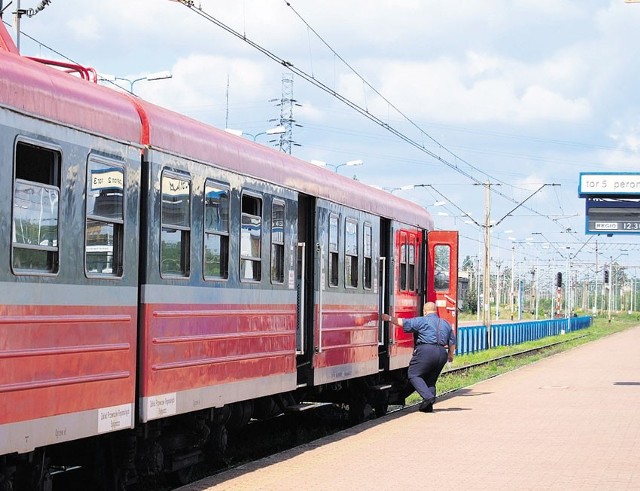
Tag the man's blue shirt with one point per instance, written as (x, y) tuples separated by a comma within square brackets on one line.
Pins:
[(430, 329)]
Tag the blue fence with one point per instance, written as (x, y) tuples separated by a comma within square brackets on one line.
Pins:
[(474, 338)]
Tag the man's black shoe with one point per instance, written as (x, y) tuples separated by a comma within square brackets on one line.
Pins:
[(427, 406)]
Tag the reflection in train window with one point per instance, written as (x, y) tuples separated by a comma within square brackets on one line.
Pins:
[(36, 193), (351, 253), (441, 267), (277, 242), (251, 238), (368, 260), (333, 250), (105, 218), (176, 225), (216, 231)]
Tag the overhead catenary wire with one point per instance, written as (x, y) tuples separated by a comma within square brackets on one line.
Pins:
[(356, 107)]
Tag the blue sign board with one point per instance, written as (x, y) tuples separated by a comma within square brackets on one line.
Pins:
[(612, 203), (612, 215)]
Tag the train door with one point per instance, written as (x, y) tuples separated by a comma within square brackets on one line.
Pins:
[(385, 291), (305, 286), (442, 273)]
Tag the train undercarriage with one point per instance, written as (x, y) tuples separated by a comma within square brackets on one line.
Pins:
[(174, 446)]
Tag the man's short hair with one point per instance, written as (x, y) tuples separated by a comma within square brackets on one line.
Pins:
[(429, 308)]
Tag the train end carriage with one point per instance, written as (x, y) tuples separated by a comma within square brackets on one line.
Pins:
[(425, 267)]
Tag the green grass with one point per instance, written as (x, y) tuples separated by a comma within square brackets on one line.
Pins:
[(600, 328)]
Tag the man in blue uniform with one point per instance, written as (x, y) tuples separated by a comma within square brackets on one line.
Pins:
[(435, 344)]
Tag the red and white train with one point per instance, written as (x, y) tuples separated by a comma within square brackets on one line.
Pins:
[(162, 280)]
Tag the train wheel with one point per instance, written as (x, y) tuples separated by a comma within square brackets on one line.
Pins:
[(33, 477), (240, 414), (356, 411), (105, 474), (380, 409), (5, 485), (217, 443)]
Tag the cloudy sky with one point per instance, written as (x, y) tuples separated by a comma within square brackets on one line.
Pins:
[(518, 92)]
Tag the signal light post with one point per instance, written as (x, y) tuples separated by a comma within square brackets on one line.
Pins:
[(558, 294)]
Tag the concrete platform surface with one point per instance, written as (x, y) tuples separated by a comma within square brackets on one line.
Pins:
[(569, 422)]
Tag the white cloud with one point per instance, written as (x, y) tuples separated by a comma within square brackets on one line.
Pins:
[(85, 28), (626, 155), (478, 88)]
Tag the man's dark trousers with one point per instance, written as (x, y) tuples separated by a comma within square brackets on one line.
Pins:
[(425, 367)]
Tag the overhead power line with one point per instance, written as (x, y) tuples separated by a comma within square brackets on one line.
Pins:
[(353, 105)]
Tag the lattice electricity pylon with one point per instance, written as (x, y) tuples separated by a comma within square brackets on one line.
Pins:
[(287, 103)]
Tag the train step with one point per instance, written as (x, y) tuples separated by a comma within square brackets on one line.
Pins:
[(304, 406), (380, 387)]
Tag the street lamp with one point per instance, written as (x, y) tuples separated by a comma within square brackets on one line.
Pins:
[(351, 163), (149, 78), (401, 188), (278, 130)]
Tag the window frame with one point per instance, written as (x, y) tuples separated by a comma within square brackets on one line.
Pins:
[(402, 267), (118, 224), (333, 252), (412, 263), (54, 184), (184, 230), (437, 255), (277, 247), (351, 258), (223, 234), (367, 263), (255, 260)]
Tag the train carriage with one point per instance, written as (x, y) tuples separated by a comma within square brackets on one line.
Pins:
[(68, 309), (163, 280)]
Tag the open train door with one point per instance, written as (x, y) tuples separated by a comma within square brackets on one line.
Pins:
[(442, 273)]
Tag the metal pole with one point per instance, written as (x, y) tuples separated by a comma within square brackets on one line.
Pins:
[(609, 287), (487, 265), (569, 292), (633, 299), (537, 292), (498, 292), (595, 289), (478, 289), (16, 21), (513, 250)]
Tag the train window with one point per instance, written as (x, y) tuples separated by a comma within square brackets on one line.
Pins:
[(403, 262), (251, 238), (216, 230), (351, 254), (368, 261), (176, 225), (411, 260), (277, 242), (333, 250), (442, 264), (36, 194), (105, 219)]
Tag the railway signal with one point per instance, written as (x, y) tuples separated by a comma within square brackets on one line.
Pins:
[(559, 279)]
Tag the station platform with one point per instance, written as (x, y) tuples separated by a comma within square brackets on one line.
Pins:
[(568, 422)]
